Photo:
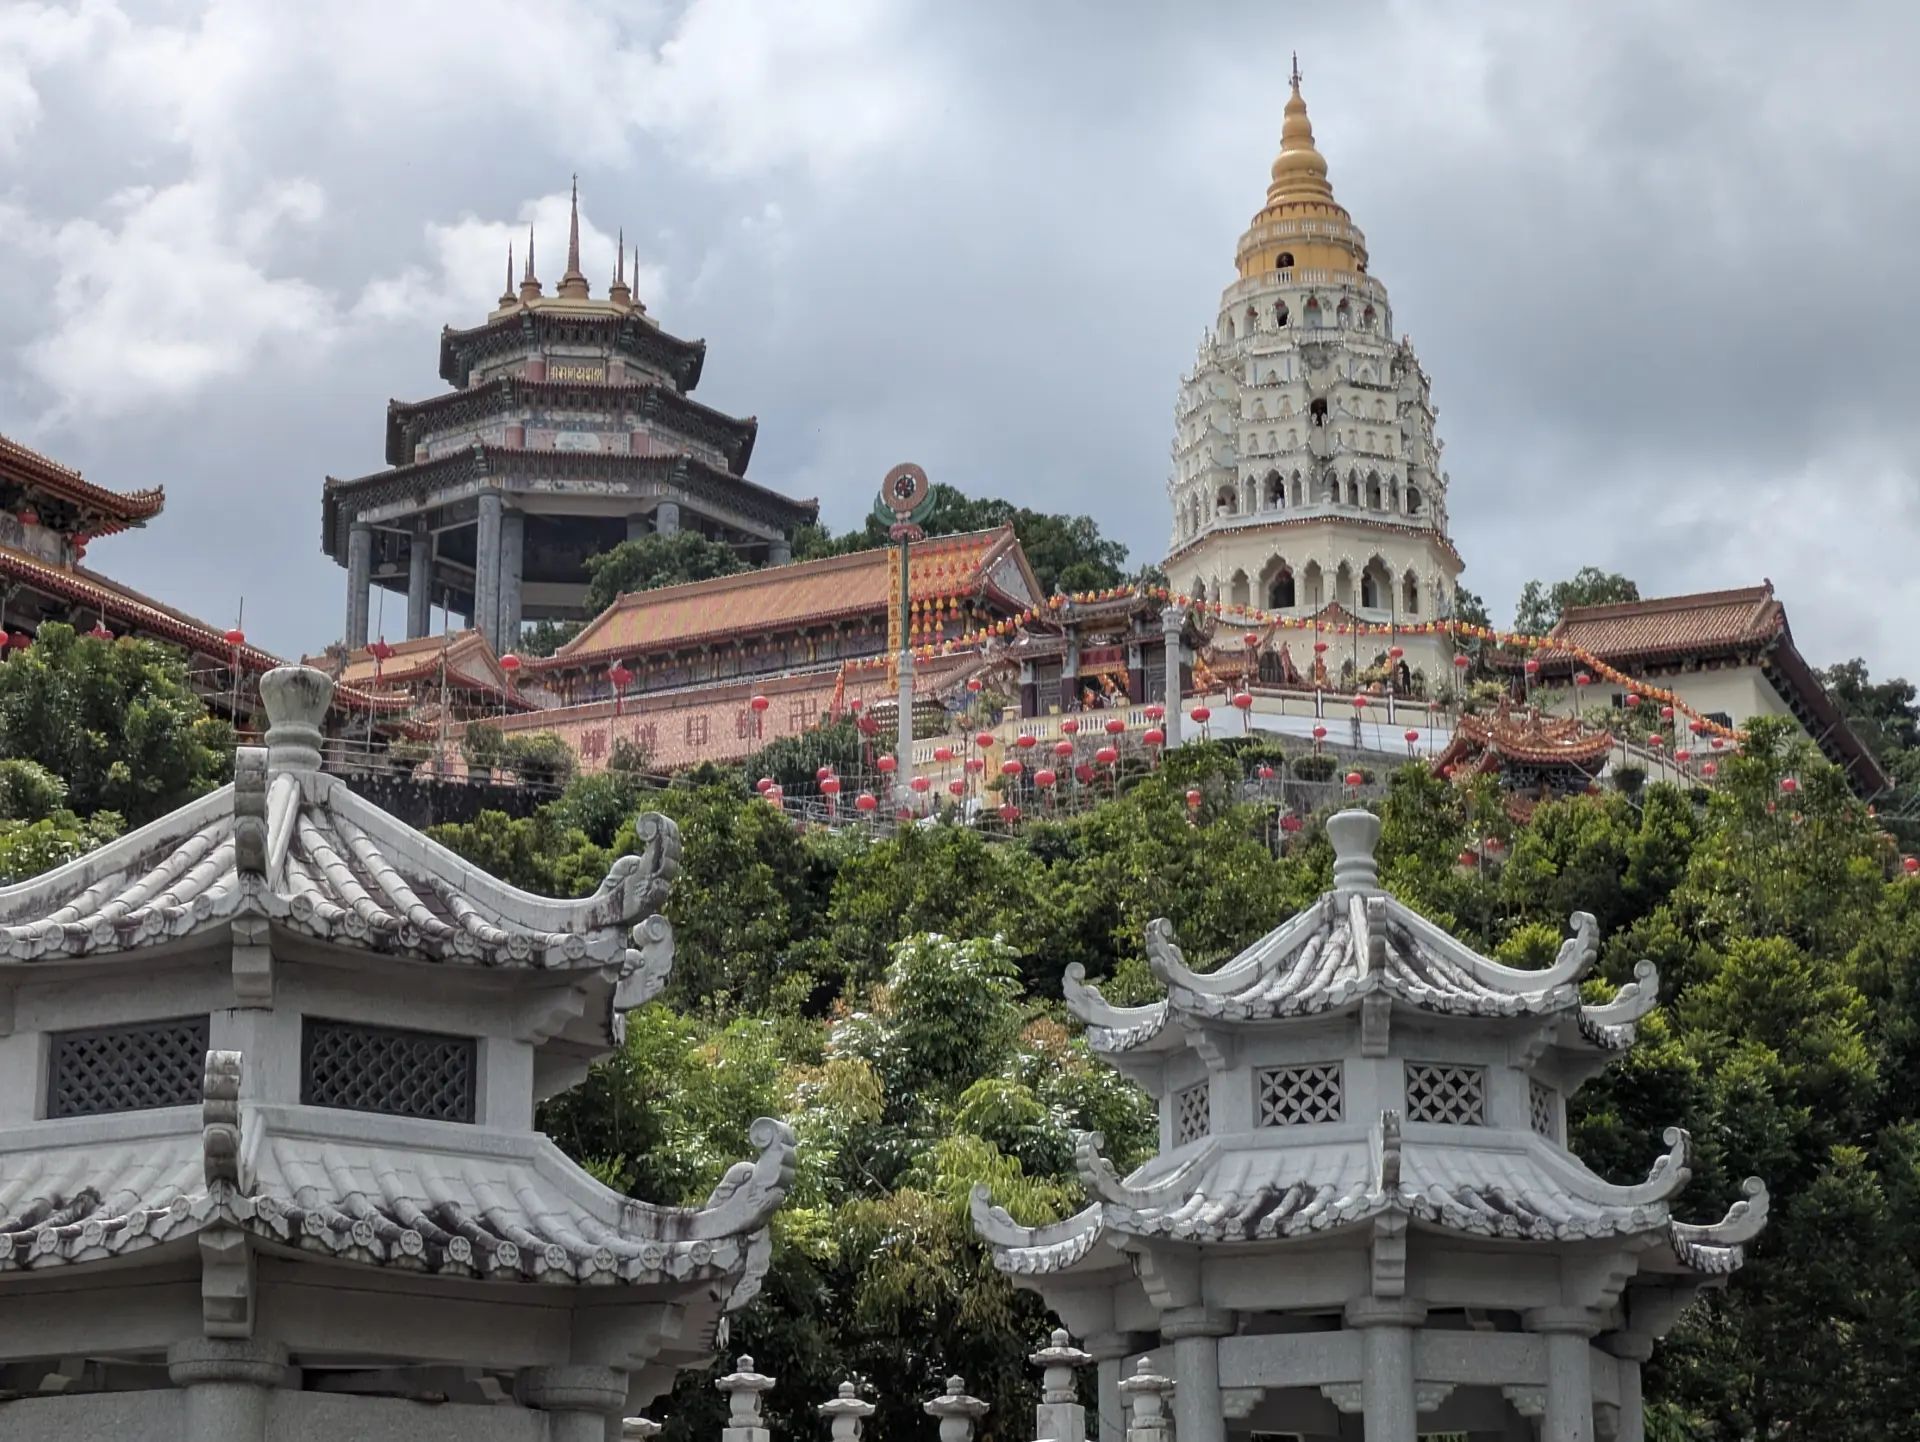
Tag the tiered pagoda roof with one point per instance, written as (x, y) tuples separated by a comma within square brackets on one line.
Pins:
[(64, 500), (625, 332), (1526, 740)]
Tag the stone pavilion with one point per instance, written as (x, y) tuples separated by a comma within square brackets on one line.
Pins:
[(1363, 1220), (268, 1169)]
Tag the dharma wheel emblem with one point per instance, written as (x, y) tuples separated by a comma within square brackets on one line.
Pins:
[(905, 489)]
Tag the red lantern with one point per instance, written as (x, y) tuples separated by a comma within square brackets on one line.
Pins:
[(1413, 737), (763, 785), (1460, 661), (1063, 749), (1354, 778), (1252, 639), (1115, 726), (1581, 678), (509, 663), (974, 683), (1153, 736), (1467, 859), (974, 766), (1716, 743), (1242, 701), (1044, 778), (100, 631), (1319, 733), (1359, 703), (886, 764), (866, 801), (620, 675), (957, 787), (1009, 813), (1683, 756), (1071, 726), (20, 640), (758, 703), (984, 740), (1107, 755), (1531, 666), (1709, 770), (1910, 864), (1697, 727), (1494, 844), (1666, 713), (1266, 772), (1656, 741), (922, 784), (1155, 711), (237, 637), (1789, 785), (1083, 773), (1201, 715), (1194, 799), (1319, 647), (943, 753), (823, 773), (1289, 823), (1010, 767), (1633, 700), (831, 786), (1026, 741), (1396, 652)]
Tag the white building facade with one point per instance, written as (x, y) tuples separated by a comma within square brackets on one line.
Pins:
[(1306, 472)]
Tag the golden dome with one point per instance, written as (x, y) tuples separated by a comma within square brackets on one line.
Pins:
[(1301, 226)]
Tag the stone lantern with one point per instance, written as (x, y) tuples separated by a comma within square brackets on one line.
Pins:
[(268, 1070), (1363, 1219)]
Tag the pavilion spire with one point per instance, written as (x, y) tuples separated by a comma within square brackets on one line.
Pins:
[(618, 292), (507, 295), (529, 282), (573, 284)]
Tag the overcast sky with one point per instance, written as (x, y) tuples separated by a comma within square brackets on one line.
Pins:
[(1658, 259)]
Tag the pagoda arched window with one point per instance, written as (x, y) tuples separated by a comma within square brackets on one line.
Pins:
[(1240, 590), (1313, 311), (1299, 490), (1343, 585), (1280, 315), (1251, 321), (1409, 595), (1314, 584), (1343, 315), (1276, 491), (1317, 411), (1280, 590), (1223, 501), (1283, 261), (1413, 500), (1375, 499)]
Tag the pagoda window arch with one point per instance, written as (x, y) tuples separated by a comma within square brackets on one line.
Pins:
[(1259, 409), (1240, 590), (1368, 321), (1224, 501), (1413, 500), (1299, 490), (1343, 315), (1313, 583), (1317, 411), (1283, 261), (1198, 590), (1343, 585), (1313, 311), (1376, 499), (1281, 592), (1352, 496), (1276, 491), (1376, 586), (1280, 315), (1409, 594), (1252, 320), (1293, 437)]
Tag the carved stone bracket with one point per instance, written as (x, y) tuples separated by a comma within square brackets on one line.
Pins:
[(1346, 1397), (1527, 1401), (1428, 1396), (252, 962), (1238, 1403), (1376, 1024)]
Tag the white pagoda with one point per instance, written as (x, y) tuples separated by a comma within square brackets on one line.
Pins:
[(268, 1170), (1363, 1220)]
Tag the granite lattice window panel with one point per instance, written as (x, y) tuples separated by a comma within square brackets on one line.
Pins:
[(1441, 1092), (1192, 1115), (1543, 1108), (1292, 1096), (382, 1069), (127, 1068)]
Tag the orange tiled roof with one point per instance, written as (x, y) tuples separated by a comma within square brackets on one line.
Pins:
[(131, 610), (781, 597), (118, 508), (1529, 738), (1707, 621)]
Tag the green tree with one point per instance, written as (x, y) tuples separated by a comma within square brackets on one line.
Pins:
[(652, 561), (116, 721), (1541, 605)]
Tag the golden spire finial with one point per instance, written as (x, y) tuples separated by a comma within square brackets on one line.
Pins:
[(1300, 171), (529, 282), (506, 296), (573, 284), (618, 292)]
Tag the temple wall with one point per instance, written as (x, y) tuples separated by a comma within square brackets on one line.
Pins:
[(160, 1416), (97, 1417)]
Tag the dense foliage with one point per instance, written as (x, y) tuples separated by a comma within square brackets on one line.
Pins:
[(1541, 605), (898, 999)]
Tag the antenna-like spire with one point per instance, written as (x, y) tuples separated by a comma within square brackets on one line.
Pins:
[(618, 292), (506, 296), (573, 284), (1295, 77)]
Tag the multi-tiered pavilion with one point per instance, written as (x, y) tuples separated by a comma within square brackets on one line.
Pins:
[(1363, 1219), (268, 1167), (570, 428)]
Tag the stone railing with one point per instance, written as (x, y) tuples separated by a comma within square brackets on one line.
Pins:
[(1059, 1417)]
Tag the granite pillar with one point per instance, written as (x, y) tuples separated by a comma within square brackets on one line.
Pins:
[(229, 1386), (513, 546), (1632, 1350), (1569, 1415), (1110, 1351), (1386, 1384), (779, 551), (486, 568), (1172, 620), (581, 1403), (1198, 1412), (359, 578), (666, 518), (419, 585)]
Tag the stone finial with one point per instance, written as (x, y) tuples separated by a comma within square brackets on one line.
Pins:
[(1172, 618), (297, 698), (957, 1411), (1145, 1395), (743, 1387), (1059, 1417), (1354, 833), (847, 1412)]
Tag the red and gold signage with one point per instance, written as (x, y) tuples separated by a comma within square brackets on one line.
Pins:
[(576, 371)]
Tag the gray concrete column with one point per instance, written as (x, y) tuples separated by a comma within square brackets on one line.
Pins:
[(1172, 619), (638, 526), (419, 585), (666, 518), (486, 568), (1569, 1416), (359, 579), (779, 552), (1631, 1350), (1198, 1413), (1110, 1351), (1386, 1382), (229, 1386), (583, 1403), (513, 555)]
